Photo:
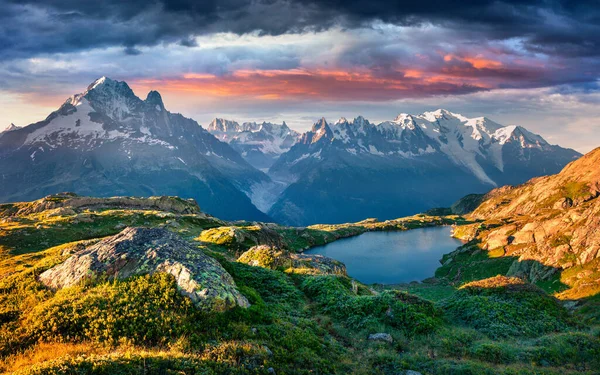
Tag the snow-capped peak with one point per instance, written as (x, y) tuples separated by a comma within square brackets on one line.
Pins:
[(444, 114), (402, 117), (342, 120), (9, 128), (519, 134), (223, 125), (98, 82)]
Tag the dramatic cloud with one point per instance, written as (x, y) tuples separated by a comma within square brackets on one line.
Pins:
[(296, 60), (556, 27)]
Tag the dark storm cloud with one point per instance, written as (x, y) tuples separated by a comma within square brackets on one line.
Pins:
[(555, 27)]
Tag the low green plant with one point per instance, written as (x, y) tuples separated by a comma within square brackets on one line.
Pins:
[(501, 307), (406, 312)]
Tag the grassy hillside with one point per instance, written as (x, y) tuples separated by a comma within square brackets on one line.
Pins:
[(304, 318)]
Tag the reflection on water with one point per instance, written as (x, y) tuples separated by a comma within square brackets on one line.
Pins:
[(392, 257)]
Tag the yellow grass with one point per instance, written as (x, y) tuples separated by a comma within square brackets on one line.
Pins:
[(43, 352)]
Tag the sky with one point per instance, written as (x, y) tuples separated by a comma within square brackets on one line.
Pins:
[(526, 62)]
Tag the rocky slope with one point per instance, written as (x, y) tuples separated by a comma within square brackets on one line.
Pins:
[(351, 170), (549, 225), (106, 141)]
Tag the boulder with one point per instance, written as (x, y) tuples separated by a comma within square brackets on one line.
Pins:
[(381, 337), (137, 251), (499, 237)]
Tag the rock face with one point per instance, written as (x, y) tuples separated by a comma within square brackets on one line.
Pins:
[(548, 224), (552, 219), (137, 251)]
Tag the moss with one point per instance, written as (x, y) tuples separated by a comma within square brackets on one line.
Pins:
[(574, 190), (470, 263)]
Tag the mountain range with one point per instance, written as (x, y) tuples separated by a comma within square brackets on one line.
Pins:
[(260, 144), (341, 172), (106, 141)]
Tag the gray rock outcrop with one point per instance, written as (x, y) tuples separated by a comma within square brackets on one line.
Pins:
[(137, 251)]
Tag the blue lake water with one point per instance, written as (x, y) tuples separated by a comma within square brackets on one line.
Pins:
[(392, 257)]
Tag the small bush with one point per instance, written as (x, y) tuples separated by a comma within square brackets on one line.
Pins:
[(580, 349), (506, 307), (145, 309), (494, 353), (406, 312)]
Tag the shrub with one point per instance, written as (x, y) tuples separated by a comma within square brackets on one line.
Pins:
[(494, 353), (575, 348), (145, 309), (506, 307), (406, 312)]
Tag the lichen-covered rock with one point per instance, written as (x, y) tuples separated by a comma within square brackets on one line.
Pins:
[(137, 251), (318, 264), (224, 236), (266, 256), (272, 257), (244, 237)]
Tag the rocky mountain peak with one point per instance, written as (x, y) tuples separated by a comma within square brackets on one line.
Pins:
[(320, 130), (223, 125), (154, 99), (320, 125), (9, 128), (341, 121), (360, 121), (112, 98)]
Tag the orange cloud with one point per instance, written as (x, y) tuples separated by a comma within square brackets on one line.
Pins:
[(198, 76), (412, 73), (478, 62), (320, 84), (482, 63)]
